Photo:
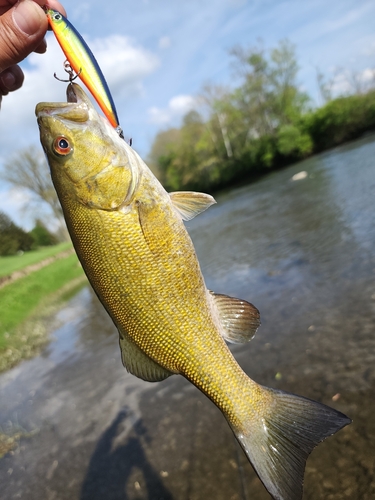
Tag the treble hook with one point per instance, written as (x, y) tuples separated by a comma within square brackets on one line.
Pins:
[(68, 69)]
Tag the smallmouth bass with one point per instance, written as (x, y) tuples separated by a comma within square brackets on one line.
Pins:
[(129, 235)]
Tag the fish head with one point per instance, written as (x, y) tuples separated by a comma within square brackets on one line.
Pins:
[(87, 158)]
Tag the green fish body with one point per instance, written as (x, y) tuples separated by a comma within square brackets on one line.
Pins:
[(129, 235)]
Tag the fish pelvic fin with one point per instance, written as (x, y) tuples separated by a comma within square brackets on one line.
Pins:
[(279, 442), (138, 363)]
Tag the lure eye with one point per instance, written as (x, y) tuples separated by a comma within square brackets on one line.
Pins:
[(57, 17), (61, 146)]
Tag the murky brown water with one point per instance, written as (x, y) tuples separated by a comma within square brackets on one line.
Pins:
[(302, 252)]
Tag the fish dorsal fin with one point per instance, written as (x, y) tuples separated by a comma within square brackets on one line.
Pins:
[(138, 363), (239, 318), (189, 203)]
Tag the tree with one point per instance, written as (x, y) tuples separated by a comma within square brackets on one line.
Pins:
[(271, 103), (240, 131), (12, 238), (179, 156), (29, 170), (269, 96), (161, 147), (252, 97), (217, 100), (325, 86), (183, 160), (41, 235)]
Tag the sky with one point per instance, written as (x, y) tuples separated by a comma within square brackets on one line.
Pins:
[(156, 56)]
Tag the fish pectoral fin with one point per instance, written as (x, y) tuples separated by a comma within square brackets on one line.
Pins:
[(239, 318), (189, 203), (138, 363)]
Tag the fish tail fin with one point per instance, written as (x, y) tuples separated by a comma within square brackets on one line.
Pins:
[(278, 442)]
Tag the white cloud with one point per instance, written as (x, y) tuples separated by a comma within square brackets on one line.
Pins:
[(18, 126), (368, 75), (13, 203), (177, 107), (164, 42), (124, 65), (15, 198), (349, 82), (82, 11), (345, 20), (340, 84)]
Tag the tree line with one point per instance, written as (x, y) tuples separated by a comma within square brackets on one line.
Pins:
[(264, 123), (13, 239)]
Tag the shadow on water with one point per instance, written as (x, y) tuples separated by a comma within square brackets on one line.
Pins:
[(117, 467)]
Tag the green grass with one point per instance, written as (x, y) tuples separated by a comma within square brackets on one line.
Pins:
[(20, 299), (16, 262)]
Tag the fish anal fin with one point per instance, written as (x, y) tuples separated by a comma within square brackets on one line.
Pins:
[(189, 203), (278, 441), (138, 363), (239, 319)]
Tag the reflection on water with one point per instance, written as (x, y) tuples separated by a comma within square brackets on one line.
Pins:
[(270, 226), (302, 252)]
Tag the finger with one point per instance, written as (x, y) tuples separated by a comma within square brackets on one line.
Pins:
[(23, 29), (6, 5), (11, 79), (42, 47), (53, 4)]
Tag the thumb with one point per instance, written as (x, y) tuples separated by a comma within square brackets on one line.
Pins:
[(22, 30)]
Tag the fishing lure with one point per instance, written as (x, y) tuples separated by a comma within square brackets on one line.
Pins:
[(82, 61)]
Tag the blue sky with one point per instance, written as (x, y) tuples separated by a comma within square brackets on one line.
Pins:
[(157, 54)]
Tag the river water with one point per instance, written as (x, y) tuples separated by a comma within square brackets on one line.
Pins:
[(303, 252)]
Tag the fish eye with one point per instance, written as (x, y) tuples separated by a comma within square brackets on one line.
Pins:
[(61, 146)]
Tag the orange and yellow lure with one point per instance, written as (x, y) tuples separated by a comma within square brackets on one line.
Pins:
[(84, 64)]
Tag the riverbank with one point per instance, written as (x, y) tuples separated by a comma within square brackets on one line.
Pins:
[(189, 159), (28, 296)]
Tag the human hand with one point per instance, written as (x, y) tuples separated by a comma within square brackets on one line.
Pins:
[(23, 25)]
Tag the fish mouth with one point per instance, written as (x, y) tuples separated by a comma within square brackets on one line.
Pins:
[(76, 109)]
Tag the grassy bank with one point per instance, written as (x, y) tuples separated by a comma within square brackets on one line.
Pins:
[(24, 302), (16, 262)]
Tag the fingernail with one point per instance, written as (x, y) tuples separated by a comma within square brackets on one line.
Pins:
[(8, 80), (27, 16)]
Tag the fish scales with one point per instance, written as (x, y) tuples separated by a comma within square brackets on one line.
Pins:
[(142, 282), (129, 236)]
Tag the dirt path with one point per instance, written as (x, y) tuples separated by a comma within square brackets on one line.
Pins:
[(21, 273)]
